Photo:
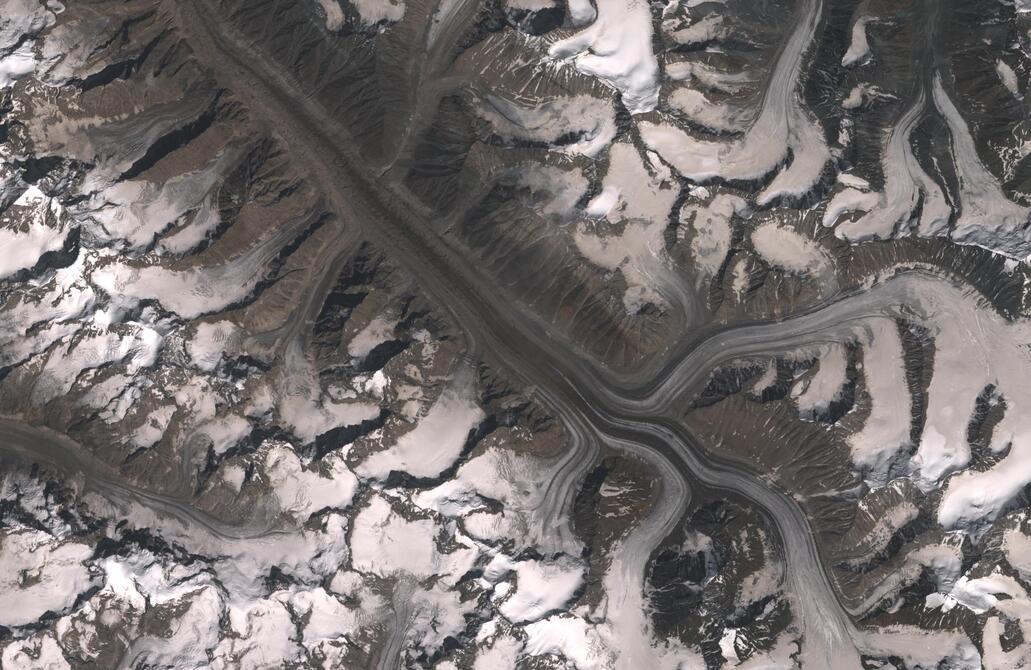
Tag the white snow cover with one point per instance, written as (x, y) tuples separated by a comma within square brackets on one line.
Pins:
[(592, 120), (210, 342), (133, 213), (987, 218), (878, 531), (302, 492), (572, 637), (225, 432), (17, 65), (304, 407), (153, 427), (22, 248), (627, 629), (761, 583), (886, 429), (922, 649), (189, 293), (849, 200), (378, 11), (856, 96), (242, 564), (790, 251), (384, 543), (136, 347), (39, 574), (234, 475), (518, 481), (334, 15), (782, 125), (1008, 77), (42, 653), (531, 5), (905, 185), (709, 77), (640, 197), (20, 18), (555, 191), (1017, 546), (781, 657), (263, 637), (859, 48), (437, 440), (850, 180), (994, 657), (712, 116), (980, 595), (376, 332), (709, 28), (190, 634), (542, 587), (65, 300), (712, 229), (503, 652), (975, 347), (327, 620), (617, 49), (204, 222), (825, 385), (727, 643)]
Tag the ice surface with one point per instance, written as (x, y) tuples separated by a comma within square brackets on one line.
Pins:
[(707, 29), (385, 543), (437, 440), (1008, 77), (640, 197), (826, 385), (859, 48), (617, 49), (987, 218), (377, 11), (716, 117), (517, 481), (712, 229), (334, 14), (709, 77), (923, 649), (302, 492), (41, 653), (39, 574), (591, 121), (885, 433), (263, 637), (541, 588), (906, 185), (378, 331), (782, 125), (788, 250), (210, 342), (23, 248), (20, 19)]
